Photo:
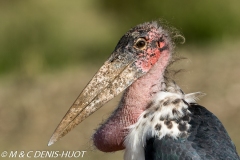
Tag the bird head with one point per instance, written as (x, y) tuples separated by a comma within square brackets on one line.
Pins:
[(137, 52)]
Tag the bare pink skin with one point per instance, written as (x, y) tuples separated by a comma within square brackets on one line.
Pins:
[(111, 135)]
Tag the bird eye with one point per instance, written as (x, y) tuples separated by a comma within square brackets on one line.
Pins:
[(141, 43)]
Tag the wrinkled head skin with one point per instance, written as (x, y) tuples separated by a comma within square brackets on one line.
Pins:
[(137, 66)]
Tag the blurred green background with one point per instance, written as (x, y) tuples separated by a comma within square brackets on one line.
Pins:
[(49, 50)]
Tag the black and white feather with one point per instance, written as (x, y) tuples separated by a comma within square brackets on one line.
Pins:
[(168, 115)]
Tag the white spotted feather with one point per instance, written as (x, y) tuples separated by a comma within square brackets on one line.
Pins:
[(159, 120)]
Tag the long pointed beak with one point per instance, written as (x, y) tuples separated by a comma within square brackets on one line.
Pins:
[(111, 79)]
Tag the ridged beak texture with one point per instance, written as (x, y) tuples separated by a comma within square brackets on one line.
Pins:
[(117, 73)]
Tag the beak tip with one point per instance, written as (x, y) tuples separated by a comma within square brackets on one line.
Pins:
[(51, 141)]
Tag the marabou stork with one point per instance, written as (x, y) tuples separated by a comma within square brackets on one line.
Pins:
[(155, 119)]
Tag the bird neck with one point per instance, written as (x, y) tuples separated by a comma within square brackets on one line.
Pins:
[(110, 136), (168, 115), (139, 95)]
